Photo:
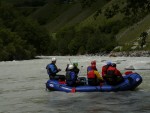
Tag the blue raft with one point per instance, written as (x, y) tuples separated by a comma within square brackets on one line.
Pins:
[(131, 81)]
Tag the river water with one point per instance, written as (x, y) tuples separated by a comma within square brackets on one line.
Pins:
[(22, 88)]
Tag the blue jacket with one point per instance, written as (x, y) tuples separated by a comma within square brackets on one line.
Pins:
[(51, 69), (89, 68), (71, 78)]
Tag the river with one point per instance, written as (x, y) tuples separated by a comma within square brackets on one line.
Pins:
[(22, 88)]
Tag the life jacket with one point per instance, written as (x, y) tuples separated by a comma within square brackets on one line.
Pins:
[(93, 78), (71, 78), (91, 75), (68, 77), (111, 71), (89, 68), (104, 70), (112, 77), (51, 69)]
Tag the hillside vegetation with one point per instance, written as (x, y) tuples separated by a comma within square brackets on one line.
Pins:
[(70, 27)]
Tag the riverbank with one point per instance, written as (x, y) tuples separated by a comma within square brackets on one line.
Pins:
[(130, 54), (111, 54)]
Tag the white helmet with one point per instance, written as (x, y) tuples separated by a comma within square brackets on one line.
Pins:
[(53, 59), (70, 66)]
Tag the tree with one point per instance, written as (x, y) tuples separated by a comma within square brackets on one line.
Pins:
[(75, 45), (97, 14), (31, 32), (13, 47), (93, 45), (21, 37), (111, 11), (143, 37), (87, 3)]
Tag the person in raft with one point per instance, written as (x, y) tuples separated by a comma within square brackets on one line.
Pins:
[(52, 69), (104, 69), (113, 75), (75, 69), (71, 76), (93, 76), (92, 66)]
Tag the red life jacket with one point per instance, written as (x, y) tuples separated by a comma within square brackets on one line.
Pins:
[(104, 70), (91, 74), (113, 76), (111, 70)]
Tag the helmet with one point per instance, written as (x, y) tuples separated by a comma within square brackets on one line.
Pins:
[(75, 64), (70, 66), (53, 59), (93, 66), (93, 62), (113, 65), (108, 63)]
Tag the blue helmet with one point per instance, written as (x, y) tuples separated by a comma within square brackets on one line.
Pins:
[(108, 63)]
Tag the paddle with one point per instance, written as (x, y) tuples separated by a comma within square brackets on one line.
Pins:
[(80, 68), (70, 61)]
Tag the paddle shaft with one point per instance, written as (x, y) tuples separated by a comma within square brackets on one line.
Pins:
[(70, 61)]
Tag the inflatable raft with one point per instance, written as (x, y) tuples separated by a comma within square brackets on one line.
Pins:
[(131, 81)]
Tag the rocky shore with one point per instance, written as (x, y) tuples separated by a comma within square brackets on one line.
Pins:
[(130, 54)]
